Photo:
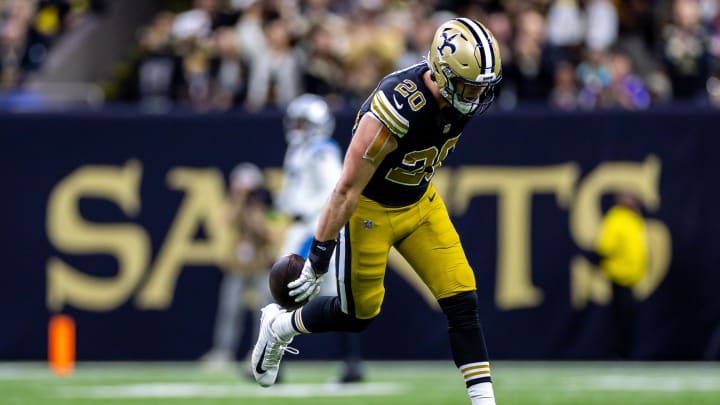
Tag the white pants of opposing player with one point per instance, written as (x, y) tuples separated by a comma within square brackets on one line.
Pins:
[(297, 240)]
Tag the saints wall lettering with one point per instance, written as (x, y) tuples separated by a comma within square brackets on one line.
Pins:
[(150, 282), (68, 232)]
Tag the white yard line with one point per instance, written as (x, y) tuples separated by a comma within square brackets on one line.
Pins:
[(184, 390), (645, 383)]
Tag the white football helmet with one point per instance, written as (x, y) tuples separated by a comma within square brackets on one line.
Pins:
[(464, 59), (246, 176), (307, 117)]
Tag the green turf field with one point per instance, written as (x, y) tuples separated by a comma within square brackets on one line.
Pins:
[(391, 383)]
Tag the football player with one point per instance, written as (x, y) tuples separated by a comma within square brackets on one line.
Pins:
[(384, 198), (311, 168)]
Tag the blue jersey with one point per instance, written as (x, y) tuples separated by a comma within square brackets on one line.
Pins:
[(425, 134)]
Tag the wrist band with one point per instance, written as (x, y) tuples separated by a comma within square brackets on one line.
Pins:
[(320, 254)]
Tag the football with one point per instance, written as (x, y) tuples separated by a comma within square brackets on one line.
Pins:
[(285, 270)]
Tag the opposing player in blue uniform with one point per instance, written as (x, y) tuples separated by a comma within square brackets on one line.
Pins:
[(385, 198), (312, 166)]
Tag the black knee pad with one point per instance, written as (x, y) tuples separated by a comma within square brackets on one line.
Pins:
[(461, 310)]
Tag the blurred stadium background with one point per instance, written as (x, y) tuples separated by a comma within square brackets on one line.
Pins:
[(120, 121)]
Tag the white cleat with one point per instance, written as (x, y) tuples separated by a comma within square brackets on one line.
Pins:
[(269, 348)]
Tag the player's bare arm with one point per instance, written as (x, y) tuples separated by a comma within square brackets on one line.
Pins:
[(369, 146)]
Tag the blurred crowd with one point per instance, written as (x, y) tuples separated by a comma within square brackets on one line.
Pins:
[(256, 54), (29, 29)]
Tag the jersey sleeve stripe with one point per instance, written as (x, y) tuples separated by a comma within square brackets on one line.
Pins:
[(385, 113), (392, 109), (382, 116), (382, 108)]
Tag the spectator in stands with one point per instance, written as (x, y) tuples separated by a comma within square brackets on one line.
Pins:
[(685, 53), (191, 34), (637, 34), (373, 48), (530, 72), (317, 12), (322, 63), (501, 25), (608, 81), (196, 76), (565, 25), (595, 78), (713, 88), (158, 70), (564, 95), (274, 70), (628, 91), (362, 76), (199, 21), (228, 70), (249, 29), (13, 42), (712, 15), (419, 34), (602, 24)]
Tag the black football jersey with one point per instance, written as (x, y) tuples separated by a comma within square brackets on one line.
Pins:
[(425, 135)]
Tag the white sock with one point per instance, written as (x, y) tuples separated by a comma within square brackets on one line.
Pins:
[(482, 394), (283, 326)]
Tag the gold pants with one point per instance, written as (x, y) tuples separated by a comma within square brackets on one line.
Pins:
[(421, 232)]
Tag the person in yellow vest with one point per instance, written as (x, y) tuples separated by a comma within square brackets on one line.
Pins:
[(621, 253), (622, 243)]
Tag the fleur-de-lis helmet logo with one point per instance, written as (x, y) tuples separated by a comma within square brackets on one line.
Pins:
[(447, 43)]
